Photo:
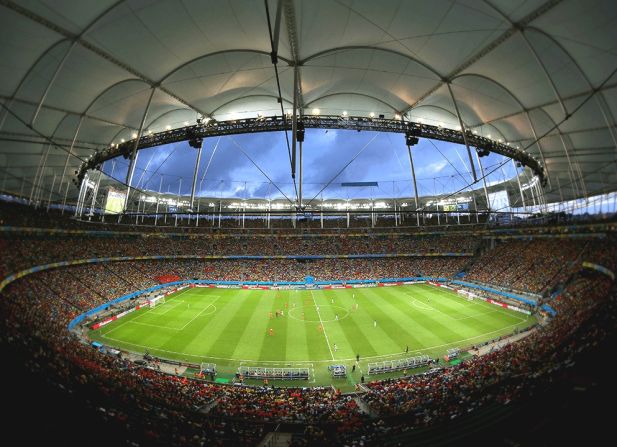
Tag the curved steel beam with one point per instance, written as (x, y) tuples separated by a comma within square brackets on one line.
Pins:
[(244, 97), (164, 114), (27, 74), (443, 109), (370, 47), (278, 123), (601, 100), (488, 48), (352, 93), (108, 88), (27, 13), (521, 105), (217, 53)]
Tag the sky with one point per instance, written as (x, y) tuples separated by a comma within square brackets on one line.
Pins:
[(230, 166)]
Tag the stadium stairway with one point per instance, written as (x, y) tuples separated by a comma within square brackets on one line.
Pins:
[(276, 439), (364, 407)]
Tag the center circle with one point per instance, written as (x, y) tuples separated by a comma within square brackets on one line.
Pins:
[(294, 311)]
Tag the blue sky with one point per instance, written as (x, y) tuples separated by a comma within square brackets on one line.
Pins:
[(441, 167)]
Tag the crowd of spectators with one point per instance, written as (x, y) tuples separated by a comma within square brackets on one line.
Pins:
[(163, 409), (528, 265)]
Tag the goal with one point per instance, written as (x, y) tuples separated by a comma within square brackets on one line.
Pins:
[(158, 300)]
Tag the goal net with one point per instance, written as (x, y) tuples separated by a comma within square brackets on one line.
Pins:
[(156, 301)]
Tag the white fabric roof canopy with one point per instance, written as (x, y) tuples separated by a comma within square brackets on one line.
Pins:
[(516, 68)]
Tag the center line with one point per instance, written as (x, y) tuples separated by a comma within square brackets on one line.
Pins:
[(321, 323)]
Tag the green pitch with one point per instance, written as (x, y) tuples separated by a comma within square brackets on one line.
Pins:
[(235, 327)]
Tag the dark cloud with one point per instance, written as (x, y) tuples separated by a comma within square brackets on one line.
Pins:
[(384, 160)]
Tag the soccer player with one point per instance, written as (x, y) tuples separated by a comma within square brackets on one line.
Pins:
[(374, 323), (271, 331), (336, 317), (406, 349), (270, 315), (335, 348), (332, 300)]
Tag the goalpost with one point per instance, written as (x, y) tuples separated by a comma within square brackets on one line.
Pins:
[(158, 300)]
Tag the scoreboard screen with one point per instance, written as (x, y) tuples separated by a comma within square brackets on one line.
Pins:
[(114, 202)]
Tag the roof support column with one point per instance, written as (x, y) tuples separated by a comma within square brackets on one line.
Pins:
[(537, 143), (131, 170), (70, 152), (178, 201), (463, 131), (520, 188), (66, 193), (488, 203), (294, 125), (51, 190), (559, 99), (201, 146), (39, 172), (158, 198), (95, 192), (415, 186)]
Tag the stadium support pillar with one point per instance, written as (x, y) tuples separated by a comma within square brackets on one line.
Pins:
[(95, 192), (438, 219), (294, 125), (70, 151), (40, 168), (220, 211), (53, 183), (520, 188), (300, 179), (178, 201), (475, 205), (158, 198), (415, 185), (133, 162), (139, 202), (463, 131), (197, 215), (395, 215), (488, 203), (66, 193), (82, 193), (201, 146)]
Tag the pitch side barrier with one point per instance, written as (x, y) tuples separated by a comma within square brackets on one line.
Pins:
[(10, 278), (259, 284), (495, 291)]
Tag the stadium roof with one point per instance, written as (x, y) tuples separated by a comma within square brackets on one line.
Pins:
[(535, 73)]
